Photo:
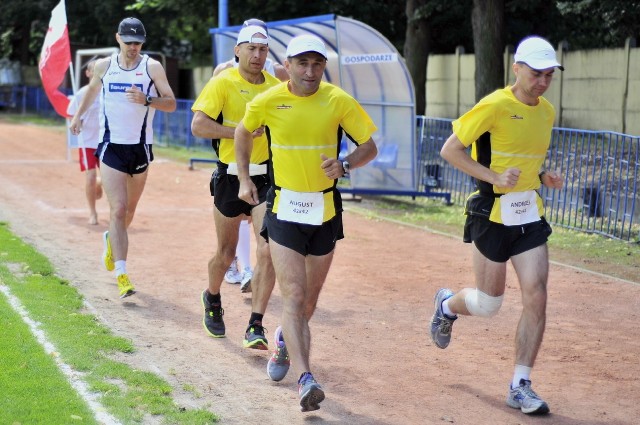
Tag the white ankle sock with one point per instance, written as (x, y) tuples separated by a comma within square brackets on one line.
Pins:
[(520, 372), (121, 267), (446, 310)]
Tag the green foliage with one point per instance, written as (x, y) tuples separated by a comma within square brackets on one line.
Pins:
[(180, 28), (599, 23)]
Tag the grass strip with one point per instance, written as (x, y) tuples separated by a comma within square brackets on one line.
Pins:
[(33, 389), (83, 343)]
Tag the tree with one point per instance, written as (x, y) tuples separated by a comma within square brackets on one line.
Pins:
[(487, 19), (416, 49)]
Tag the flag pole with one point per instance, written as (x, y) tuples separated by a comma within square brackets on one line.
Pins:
[(74, 83)]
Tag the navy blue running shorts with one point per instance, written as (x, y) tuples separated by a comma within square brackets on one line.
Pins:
[(130, 159)]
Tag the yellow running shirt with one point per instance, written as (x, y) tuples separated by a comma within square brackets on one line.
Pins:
[(302, 128), (228, 94), (506, 133)]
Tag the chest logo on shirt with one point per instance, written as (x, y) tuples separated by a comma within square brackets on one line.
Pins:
[(516, 117), (244, 91), (283, 106), (122, 87)]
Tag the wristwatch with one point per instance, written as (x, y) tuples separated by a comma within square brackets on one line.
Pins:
[(346, 167), (148, 100)]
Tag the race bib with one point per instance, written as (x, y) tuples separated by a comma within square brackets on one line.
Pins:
[(301, 207), (517, 208)]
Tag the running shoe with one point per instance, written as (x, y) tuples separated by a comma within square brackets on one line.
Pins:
[(310, 392), (125, 286), (213, 322), (524, 398), (245, 285), (233, 275), (441, 324), (107, 255), (254, 337), (278, 365)]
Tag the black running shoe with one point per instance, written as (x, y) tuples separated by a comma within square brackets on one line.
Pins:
[(213, 322), (254, 337)]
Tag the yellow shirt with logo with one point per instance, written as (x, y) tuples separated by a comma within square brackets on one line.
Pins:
[(227, 94), (519, 137), (301, 129)]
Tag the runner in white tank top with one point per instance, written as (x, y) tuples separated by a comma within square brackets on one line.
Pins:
[(133, 87), (121, 121)]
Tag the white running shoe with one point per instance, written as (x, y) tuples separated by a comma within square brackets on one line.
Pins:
[(524, 398), (233, 275), (245, 284)]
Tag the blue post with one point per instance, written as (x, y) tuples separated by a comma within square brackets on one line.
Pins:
[(223, 14), (222, 43)]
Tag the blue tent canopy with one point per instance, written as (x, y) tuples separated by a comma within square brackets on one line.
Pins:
[(366, 65)]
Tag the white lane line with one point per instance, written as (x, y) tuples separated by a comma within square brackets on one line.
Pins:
[(80, 386)]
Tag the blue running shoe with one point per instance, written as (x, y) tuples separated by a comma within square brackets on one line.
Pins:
[(278, 365), (440, 323), (310, 392)]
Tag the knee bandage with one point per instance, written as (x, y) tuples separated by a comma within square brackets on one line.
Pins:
[(480, 304)]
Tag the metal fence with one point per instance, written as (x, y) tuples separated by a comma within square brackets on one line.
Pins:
[(601, 171), (174, 129), (601, 168)]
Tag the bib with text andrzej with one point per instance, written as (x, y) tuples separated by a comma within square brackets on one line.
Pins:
[(301, 207), (517, 208)]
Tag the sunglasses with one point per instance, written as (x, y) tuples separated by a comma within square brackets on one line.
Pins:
[(135, 43)]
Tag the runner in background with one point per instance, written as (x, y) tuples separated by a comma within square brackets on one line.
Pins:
[(217, 110), (240, 270), (132, 87), (88, 143)]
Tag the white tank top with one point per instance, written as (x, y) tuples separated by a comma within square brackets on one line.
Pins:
[(121, 121), (89, 136)]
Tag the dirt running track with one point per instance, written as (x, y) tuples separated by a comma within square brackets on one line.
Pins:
[(371, 346)]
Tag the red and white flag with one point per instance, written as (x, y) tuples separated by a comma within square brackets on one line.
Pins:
[(55, 58)]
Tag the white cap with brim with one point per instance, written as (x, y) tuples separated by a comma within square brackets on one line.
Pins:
[(246, 35), (306, 43), (538, 53)]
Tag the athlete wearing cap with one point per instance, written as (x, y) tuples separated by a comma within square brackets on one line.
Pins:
[(509, 132), (270, 66), (132, 87), (217, 110), (240, 270), (306, 118)]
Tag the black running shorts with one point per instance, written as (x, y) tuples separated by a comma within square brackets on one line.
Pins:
[(498, 242), (130, 159), (225, 187), (306, 239)]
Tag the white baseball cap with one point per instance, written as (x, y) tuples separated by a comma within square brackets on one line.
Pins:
[(246, 35), (538, 53), (306, 43)]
